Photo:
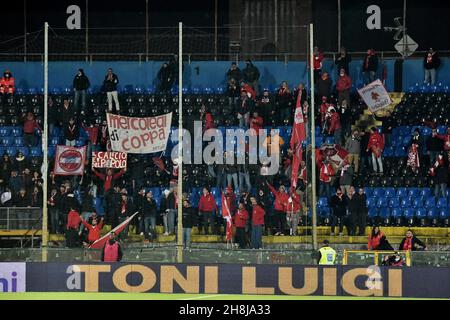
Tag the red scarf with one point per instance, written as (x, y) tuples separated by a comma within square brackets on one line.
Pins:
[(407, 245)]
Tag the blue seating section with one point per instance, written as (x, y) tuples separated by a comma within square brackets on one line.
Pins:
[(404, 202)]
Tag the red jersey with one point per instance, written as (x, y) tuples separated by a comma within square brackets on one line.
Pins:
[(258, 215), (207, 203), (241, 218), (281, 199), (73, 220), (94, 231)]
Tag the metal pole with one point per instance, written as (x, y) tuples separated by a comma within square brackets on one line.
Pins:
[(180, 144), (404, 30), (276, 28), (313, 138), (146, 30), (45, 149), (87, 30), (215, 30), (339, 26), (25, 30)]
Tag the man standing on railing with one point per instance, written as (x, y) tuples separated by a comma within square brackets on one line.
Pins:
[(251, 75), (110, 87), (80, 85)]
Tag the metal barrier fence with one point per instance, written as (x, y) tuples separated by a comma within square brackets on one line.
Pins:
[(200, 255), (18, 218)]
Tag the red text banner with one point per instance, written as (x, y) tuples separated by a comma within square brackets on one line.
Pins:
[(139, 135), (116, 160)]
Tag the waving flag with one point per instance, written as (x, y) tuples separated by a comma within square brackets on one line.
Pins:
[(100, 243), (297, 137), (226, 214)]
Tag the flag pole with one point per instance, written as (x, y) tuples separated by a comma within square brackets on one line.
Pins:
[(180, 145), (45, 151), (313, 139)]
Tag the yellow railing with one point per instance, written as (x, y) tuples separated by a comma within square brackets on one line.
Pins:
[(376, 255)]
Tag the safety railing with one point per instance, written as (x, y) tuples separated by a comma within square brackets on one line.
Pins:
[(168, 254), (19, 218)]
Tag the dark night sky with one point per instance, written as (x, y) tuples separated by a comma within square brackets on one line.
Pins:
[(102, 13)]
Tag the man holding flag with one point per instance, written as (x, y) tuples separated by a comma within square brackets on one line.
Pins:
[(228, 207), (297, 137)]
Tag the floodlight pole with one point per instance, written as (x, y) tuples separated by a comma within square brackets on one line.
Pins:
[(313, 138), (45, 150), (180, 145)]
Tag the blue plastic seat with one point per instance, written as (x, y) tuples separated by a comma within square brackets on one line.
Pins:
[(19, 142), (385, 213), (7, 141), (11, 151), (382, 202), (442, 203), (17, 132), (396, 212), (373, 212), (425, 192), (323, 202), (408, 213), (36, 152), (444, 214), (378, 192), (413, 192), (389, 192), (4, 132), (368, 191), (421, 213), (417, 202), (405, 202), (371, 202), (402, 192), (394, 202), (80, 142), (51, 151), (430, 202), (432, 213), (55, 141)]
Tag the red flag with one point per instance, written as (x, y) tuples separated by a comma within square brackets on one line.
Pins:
[(99, 244), (297, 137), (226, 214), (159, 163)]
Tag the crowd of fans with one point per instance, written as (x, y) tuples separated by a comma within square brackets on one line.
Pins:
[(250, 192)]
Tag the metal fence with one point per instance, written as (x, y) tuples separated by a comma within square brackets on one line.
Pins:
[(18, 218), (201, 255)]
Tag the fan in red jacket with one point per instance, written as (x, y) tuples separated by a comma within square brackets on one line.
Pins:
[(376, 145), (325, 175), (248, 89), (109, 178), (335, 126), (256, 122), (280, 206), (206, 118), (374, 238), (240, 221), (257, 224), (293, 211), (446, 138), (94, 229), (343, 86), (206, 206), (7, 85)]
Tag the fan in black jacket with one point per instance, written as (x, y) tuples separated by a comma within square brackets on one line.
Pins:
[(149, 213), (411, 242), (80, 85)]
